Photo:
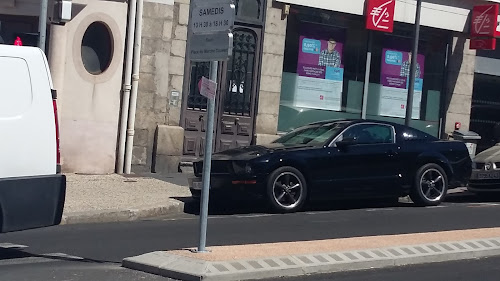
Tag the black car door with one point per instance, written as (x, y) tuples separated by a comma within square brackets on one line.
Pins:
[(369, 164)]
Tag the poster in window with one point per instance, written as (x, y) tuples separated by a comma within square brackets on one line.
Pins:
[(394, 78), (320, 72)]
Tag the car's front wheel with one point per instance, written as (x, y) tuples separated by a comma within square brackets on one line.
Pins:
[(286, 189), (430, 185)]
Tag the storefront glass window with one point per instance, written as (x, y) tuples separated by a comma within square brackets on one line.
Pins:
[(324, 69), (389, 76)]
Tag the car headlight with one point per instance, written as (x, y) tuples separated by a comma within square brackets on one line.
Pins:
[(240, 168), (248, 169)]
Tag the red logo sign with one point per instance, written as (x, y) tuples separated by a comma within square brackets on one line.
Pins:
[(484, 20), (380, 15), (488, 43)]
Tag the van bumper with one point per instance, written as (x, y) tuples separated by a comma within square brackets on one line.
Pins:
[(31, 202)]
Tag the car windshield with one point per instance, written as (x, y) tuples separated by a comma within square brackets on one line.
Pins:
[(313, 134)]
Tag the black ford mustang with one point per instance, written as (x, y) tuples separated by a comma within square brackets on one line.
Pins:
[(341, 159)]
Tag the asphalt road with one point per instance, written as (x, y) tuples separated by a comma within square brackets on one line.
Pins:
[(487, 269), (99, 248)]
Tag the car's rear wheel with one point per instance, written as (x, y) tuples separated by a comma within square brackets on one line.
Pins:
[(430, 186), (286, 189)]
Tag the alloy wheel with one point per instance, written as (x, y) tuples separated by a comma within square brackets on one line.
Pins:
[(432, 185), (288, 190)]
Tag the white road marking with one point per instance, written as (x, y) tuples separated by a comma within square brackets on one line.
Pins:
[(322, 212), (380, 209), (224, 217), (43, 258), (12, 246), (255, 215), (179, 219), (483, 204)]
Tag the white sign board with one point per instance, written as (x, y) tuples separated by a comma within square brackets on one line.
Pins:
[(208, 88), (393, 102), (212, 17), (211, 47)]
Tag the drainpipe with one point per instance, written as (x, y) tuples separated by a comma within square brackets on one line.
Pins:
[(135, 85), (126, 86)]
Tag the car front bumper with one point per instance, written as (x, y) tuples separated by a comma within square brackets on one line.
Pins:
[(228, 185), (484, 181)]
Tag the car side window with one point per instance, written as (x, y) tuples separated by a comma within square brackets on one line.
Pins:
[(369, 134), (415, 136)]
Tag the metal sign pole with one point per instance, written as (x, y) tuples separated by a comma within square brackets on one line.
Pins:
[(207, 164), (413, 66), (210, 39), (367, 74), (42, 24)]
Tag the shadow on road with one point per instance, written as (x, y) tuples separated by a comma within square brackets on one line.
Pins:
[(11, 254), (232, 206), (468, 197), (259, 205)]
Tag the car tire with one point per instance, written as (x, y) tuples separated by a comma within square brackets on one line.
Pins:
[(430, 185), (286, 190)]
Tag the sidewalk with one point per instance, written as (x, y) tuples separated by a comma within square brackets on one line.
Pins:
[(263, 261), (111, 198)]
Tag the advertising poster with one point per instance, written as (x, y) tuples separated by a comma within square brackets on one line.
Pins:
[(320, 72), (394, 78)]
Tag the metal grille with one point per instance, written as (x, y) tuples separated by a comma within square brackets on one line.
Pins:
[(195, 100), (240, 72)]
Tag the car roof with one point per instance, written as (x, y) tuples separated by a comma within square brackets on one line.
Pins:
[(354, 121)]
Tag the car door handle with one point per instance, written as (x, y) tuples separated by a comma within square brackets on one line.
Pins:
[(392, 153)]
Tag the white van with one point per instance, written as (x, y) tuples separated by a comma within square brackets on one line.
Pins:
[(32, 190)]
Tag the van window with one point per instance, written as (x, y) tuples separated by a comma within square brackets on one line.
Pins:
[(15, 87)]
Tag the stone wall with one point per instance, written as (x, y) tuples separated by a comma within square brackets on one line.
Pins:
[(88, 104), (164, 39), (272, 71), (460, 83)]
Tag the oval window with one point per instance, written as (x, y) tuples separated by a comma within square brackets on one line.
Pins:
[(97, 48)]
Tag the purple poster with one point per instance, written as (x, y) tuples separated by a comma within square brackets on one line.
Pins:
[(394, 77), (320, 72)]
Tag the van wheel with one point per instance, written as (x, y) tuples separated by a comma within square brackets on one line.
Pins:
[(430, 185), (286, 190)]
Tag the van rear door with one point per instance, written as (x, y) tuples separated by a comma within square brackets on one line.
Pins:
[(31, 191)]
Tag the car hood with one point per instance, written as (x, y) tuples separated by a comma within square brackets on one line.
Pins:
[(254, 151), (491, 154)]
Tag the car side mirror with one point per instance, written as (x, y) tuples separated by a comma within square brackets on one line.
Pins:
[(346, 142)]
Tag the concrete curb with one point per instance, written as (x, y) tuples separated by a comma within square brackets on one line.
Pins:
[(103, 216), (186, 268)]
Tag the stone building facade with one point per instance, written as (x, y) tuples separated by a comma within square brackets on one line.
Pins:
[(159, 140), (171, 116), (164, 40), (460, 83), (161, 126)]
